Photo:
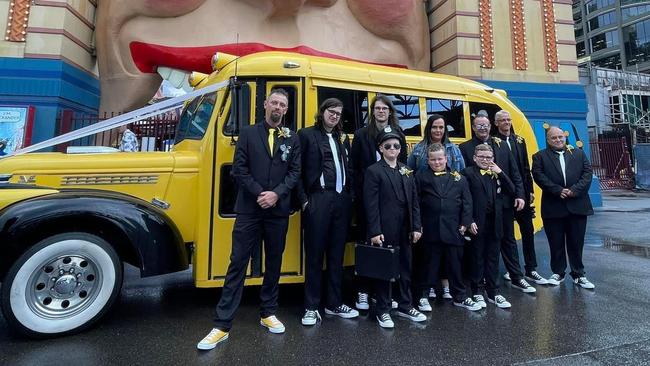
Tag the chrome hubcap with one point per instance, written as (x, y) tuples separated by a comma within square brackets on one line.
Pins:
[(63, 286)]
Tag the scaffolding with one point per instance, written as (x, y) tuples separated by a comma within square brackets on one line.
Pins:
[(622, 102)]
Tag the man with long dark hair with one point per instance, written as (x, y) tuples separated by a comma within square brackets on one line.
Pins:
[(326, 200)]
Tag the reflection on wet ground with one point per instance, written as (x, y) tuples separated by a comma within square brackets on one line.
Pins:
[(617, 245)]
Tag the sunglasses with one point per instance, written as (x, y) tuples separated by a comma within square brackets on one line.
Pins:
[(394, 146)]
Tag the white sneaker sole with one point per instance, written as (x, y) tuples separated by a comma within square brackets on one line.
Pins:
[(587, 287), (500, 306), (415, 319), (477, 307), (543, 281), (425, 308), (527, 290), (350, 315), (273, 330), (309, 322), (362, 305), (209, 346)]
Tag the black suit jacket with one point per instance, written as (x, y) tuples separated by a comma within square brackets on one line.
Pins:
[(256, 171), (443, 211), (548, 175), (480, 190), (520, 153), (312, 159), (364, 154), (503, 158), (380, 201)]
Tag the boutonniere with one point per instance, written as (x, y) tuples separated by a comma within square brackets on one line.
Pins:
[(405, 171), (284, 132), (570, 148), (285, 151), (342, 138), (456, 176), (520, 140), (497, 141)]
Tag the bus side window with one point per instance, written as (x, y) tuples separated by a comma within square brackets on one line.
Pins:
[(239, 105), (491, 109), (452, 111), (408, 113), (355, 106)]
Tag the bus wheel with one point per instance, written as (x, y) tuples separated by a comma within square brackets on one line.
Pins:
[(61, 285)]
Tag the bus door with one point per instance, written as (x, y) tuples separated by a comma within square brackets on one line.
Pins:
[(245, 105)]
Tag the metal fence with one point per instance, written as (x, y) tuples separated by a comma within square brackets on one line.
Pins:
[(154, 133), (610, 159)]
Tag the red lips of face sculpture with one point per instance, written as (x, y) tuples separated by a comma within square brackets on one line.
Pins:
[(134, 37)]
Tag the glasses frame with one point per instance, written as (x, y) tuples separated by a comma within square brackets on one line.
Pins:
[(395, 146)]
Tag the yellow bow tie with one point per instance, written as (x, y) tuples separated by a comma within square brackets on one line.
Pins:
[(439, 173), (488, 172)]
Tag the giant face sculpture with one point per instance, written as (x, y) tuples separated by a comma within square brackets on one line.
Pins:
[(134, 37)]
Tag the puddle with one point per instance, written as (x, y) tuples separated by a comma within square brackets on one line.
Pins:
[(619, 246)]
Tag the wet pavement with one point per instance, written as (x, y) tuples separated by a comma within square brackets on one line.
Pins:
[(160, 320)]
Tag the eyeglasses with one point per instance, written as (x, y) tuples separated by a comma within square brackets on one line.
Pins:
[(381, 108), (483, 157), (482, 127), (333, 112), (394, 146)]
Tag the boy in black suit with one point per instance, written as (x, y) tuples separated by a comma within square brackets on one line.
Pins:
[(564, 174), (326, 200), (490, 188), (393, 218), (266, 167), (446, 211)]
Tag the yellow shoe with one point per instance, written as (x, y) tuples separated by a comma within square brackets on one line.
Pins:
[(212, 339), (273, 324)]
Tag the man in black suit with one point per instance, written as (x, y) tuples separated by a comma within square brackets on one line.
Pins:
[(393, 218), (364, 153), (326, 200), (515, 200), (517, 145), (446, 211), (491, 190), (266, 167), (564, 174)]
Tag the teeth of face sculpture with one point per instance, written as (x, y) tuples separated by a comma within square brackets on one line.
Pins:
[(136, 36)]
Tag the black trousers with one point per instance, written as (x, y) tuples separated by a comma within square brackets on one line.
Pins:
[(509, 250), (249, 231), (566, 237), (483, 254), (525, 220), (399, 236), (428, 260), (326, 226)]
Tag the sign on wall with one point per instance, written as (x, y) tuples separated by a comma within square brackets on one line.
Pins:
[(15, 128)]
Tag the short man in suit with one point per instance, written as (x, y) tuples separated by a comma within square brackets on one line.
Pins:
[(515, 200), (364, 153), (564, 174), (266, 167), (491, 189), (517, 145), (393, 218), (326, 200), (446, 211)]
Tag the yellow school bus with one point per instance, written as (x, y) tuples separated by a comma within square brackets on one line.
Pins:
[(69, 221)]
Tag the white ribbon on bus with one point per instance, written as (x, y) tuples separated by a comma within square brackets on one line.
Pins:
[(121, 120)]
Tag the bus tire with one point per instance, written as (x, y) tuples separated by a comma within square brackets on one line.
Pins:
[(61, 285)]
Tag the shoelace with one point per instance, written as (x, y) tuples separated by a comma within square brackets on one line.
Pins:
[(413, 312), (311, 314), (363, 297), (384, 317), (479, 298), (212, 334), (344, 309), (274, 321), (499, 298)]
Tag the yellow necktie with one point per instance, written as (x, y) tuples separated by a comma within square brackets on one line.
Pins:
[(439, 173), (271, 139)]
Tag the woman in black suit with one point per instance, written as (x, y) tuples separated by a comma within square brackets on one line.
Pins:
[(393, 219)]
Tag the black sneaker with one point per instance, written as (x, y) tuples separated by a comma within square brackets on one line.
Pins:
[(412, 314), (555, 279), (343, 311), (535, 277), (469, 304), (522, 285)]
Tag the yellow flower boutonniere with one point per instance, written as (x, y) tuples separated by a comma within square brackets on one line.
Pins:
[(342, 137), (520, 140), (284, 133), (405, 171), (497, 141), (570, 148), (456, 176)]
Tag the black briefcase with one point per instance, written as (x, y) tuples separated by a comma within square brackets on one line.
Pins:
[(381, 263)]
